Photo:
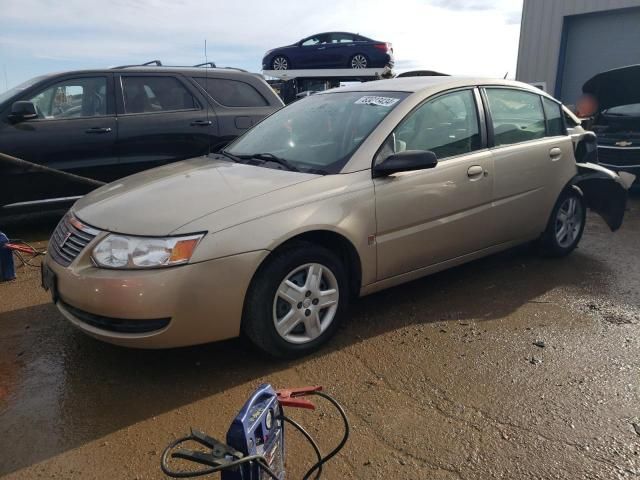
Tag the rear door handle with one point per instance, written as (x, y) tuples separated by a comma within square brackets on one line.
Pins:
[(201, 123), (476, 171), (98, 130), (555, 154)]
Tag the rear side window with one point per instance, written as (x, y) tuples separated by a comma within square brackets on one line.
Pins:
[(231, 93), (517, 116), (553, 113), (155, 94)]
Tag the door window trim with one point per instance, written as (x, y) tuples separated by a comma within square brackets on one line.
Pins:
[(27, 95), (121, 103), (480, 116)]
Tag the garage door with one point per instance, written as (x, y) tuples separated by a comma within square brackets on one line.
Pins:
[(595, 43)]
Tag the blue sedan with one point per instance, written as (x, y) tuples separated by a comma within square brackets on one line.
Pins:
[(330, 50)]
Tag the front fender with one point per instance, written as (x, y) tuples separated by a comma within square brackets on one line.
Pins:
[(605, 191)]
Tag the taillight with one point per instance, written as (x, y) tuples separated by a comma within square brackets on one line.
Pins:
[(385, 47)]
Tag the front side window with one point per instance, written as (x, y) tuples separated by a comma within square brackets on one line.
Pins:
[(517, 116), (320, 132), (447, 126), (317, 40), (76, 98), (553, 113), (155, 94), (231, 93)]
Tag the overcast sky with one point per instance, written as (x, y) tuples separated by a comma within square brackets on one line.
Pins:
[(454, 36)]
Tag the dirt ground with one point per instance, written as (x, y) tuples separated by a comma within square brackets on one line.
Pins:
[(440, 377)]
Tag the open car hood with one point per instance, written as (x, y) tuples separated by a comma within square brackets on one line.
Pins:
[(615, 87)]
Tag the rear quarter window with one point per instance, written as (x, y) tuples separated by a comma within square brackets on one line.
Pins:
[(232, 93), (554, 115)]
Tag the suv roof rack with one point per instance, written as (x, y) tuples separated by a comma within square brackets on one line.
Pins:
[(157, 63), (206, 64)]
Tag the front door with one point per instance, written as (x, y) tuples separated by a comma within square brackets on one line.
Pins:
[(76, 131), (430, 216)]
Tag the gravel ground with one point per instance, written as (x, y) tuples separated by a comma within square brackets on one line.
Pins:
[(511, 367)]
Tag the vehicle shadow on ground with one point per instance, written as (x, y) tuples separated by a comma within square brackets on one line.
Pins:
[(90, 389)]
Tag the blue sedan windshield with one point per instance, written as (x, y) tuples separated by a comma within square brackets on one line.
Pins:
[(320, 132)]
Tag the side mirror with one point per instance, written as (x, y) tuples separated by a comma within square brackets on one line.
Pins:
[(406, 161), (23, 110)]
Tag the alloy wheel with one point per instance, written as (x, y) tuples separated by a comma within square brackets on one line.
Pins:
[(359, 61), (280, 63), (568, 222), (305, 303)]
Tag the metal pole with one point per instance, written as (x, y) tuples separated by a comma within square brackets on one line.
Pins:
[(25, 165)]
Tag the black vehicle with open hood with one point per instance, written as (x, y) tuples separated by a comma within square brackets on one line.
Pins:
[(617, 123)]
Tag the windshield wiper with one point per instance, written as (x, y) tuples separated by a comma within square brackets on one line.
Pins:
[(270, 157), (230, 156)]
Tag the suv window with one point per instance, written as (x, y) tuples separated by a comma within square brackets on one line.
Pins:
[(231, 93), (553, 113), (446, 125), (75, 98), (516, 115), (155, 94)]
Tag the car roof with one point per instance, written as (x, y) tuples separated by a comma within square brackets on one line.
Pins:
[(434, 84), (219, 71)]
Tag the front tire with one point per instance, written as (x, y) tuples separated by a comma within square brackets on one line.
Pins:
[(566, 224), (280, 63), (296, 301)]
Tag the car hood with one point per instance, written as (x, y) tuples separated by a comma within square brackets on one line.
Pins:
[(615, 87), (157, 202)]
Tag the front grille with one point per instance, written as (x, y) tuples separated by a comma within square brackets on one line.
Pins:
[(69, 239), (619, 157), (118, 325)]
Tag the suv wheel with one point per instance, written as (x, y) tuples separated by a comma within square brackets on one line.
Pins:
[(296, 301), (566, 224), (280, 63)]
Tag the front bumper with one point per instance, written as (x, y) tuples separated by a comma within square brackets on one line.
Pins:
[(179, 306)]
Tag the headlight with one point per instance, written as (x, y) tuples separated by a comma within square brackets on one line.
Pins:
[(120, 251)]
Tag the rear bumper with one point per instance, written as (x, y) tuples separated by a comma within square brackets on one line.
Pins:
[(160, 308)]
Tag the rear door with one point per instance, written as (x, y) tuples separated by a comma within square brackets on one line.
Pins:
[(340, 49), (162, 118), (238, 105), (76, 131), (533, 160), (429, 216)]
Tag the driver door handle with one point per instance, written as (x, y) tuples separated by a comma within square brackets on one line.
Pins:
[(98, 130), (201, 123), (476, 171)]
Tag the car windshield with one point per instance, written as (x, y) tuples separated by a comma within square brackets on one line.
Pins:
[(318, 133), (631, 110), (23, 86)]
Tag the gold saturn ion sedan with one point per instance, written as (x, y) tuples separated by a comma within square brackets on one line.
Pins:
[(338, 195)]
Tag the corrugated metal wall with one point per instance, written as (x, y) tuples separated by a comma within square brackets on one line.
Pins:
[(541, 34)]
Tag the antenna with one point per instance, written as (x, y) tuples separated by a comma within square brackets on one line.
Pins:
[(206, 87), (505, 76)]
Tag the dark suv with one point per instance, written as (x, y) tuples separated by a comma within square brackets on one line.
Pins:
[(106, 124)]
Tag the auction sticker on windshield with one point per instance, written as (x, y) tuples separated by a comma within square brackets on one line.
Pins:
[(375, 100)]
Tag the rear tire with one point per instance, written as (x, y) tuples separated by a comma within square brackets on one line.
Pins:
[(358, 61), (566, 224), (296, 301)]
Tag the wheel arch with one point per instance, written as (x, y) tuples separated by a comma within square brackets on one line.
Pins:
[(331, 240)]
